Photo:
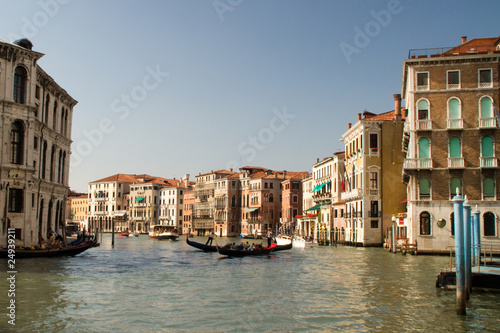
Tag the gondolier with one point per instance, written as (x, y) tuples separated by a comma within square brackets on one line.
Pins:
[(210, 238), (269, 237)]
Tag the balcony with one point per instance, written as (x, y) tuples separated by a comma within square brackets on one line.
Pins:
[(455, 123), (455, 162), (354, 193), (424, 124), (487, 122), (417, 163), (374, 213), (488, 162)]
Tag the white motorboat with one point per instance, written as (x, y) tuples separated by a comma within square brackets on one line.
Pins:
[(301, 242), (164, 232)]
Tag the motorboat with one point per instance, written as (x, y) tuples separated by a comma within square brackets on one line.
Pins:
[(301, 242), (163, 232)]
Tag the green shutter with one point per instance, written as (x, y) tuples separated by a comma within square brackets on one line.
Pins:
[(423, 104), (423, 148), (487, 146), (488, 187), (455, 182), (425, 186), (454, 108), (486, 111), (455, 147)]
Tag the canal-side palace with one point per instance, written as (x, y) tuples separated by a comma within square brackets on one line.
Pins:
[(395, 178)]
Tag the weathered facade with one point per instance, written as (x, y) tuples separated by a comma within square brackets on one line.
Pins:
[(36, 146)]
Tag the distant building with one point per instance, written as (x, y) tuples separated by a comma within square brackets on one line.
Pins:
[(227, 205), (78, 207), (172, 202), (307, 221), (451, 139), (36, 118), (372, 180), (187, 212)]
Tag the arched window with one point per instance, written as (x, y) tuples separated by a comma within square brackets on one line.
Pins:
[(489, 224), (423, 109), (454, 184), (46, 113), (20, 78), (488, 187), (425, 188), (455, 147), (486, 107), (425, 223), (43, 165), (17, 142), (487, 146), (54, 116), (423, 148), (454, 109)]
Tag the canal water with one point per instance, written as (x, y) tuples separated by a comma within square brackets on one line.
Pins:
[(144, 285)]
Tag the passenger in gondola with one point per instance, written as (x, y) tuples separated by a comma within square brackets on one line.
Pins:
[(247, 245), (240, 247)]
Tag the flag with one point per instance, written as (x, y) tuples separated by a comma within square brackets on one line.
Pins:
[(496, 115)]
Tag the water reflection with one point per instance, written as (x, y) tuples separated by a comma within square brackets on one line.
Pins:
[(162, 286)]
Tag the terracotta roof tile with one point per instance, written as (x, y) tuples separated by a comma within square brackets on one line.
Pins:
[(475, 45)]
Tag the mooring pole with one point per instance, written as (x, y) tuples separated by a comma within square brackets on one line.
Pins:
[(394, 238), (467, 244), (477, 235), (459, 252), (113, 233)]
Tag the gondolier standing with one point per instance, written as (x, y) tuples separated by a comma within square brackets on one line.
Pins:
[(210, 238), (269, 237)]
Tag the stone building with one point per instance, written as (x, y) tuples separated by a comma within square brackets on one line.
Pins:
[(451, 138), (36, 145)]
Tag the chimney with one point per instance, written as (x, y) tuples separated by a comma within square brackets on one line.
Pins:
[(317, 160), (349, 126), (359, 116), (284, 174), (186, 180), (397, 107), (464, 39)]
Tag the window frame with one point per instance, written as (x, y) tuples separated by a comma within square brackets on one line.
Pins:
[(425, 228), (423, 86), (481, 84), (493, 225), (16, 200), (449, 85), (19, 88)]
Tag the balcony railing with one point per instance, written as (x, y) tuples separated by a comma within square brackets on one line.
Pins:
[(488, 162), (356, 192), (424, 124), (417, 163), (455, 162), (487, 123), (374, 213), (455, 123)]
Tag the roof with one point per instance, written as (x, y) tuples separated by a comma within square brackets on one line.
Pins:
[(119, 177), (475, 45), (143, 179), (386, 116)]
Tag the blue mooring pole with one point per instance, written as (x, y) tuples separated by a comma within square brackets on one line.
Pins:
[(458, 210), (467, 244), (477, 235)]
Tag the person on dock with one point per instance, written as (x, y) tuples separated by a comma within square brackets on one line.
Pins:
[(269, 237), (210, 239)]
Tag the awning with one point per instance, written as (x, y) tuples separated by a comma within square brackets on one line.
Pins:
[(248, 210), (404, 201), (315, 207), (139, 199), (319, 187)]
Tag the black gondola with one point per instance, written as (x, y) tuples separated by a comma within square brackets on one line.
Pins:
[(244, 253), (201, 246), (49, 253)]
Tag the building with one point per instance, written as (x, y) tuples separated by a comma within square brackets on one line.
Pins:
[(291, 205), (36, 146), (172, 202), (451, 139), (307, 219), (187, 212), (78, 207), (227, 205), (372, 179)]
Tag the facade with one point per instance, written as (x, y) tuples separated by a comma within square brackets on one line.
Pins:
[(36, 146), (307, 219), (108, 202), (78, 207), (451, 139), (291, 205), (227, 205), (172, 203), (322, 173), (338, 205), (187, 211), (372, 179)]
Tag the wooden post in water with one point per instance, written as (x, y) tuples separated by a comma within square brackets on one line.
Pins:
[(477, 234), (467, 247), (112, 233), (458, 211)]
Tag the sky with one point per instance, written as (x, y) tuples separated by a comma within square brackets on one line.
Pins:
[(170, 88)]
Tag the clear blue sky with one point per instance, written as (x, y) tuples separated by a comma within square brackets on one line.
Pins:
[(174, 87)]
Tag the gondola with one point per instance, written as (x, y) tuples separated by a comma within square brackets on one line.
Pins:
[(201, 246), (244, 253), (48, 253)]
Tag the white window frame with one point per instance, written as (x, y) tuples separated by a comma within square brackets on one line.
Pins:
[(426, 87), (486, 84), (454, 85)]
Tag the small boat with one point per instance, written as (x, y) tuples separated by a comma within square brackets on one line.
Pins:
[(70, 250), (136, 234), (123, 234), (201, 246), (244, 253), (303, 243), (283, 243), (163, 232)]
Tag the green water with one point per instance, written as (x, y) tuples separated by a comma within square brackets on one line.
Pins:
[(145, 285)]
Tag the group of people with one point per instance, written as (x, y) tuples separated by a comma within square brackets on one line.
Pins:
[(243, 246), (54, 239)]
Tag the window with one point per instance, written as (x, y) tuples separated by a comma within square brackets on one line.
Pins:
[(374, 209), (423, 81), (455, 147), (453, 79), (452, 223), (295, 199), (486, 107), (423, 148), (20, 78), (487, 147), (271, 197), (16, 200), (454, 184), (454, 109), (17, 143), (485, 80), (425, 188), (425, 224), (488, 187), (373, 141), (489, 224), (374, 180), (374, 224), (423, 109), (295, 185)]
